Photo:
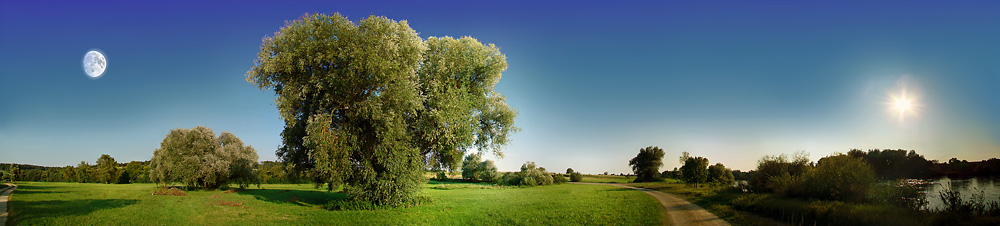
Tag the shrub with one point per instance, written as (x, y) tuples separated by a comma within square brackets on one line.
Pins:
[(350, 204), (777, 173), (558, 178), (528, 176), (718, 173), (476, 170), (576, 177), (838, 177), (441, 176)]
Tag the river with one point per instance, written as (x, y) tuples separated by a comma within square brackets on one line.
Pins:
[(989, 186)]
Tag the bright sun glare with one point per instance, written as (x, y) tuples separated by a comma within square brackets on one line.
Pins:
[(903, 104)]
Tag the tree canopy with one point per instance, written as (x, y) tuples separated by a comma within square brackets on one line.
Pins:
[(646, 164), (107, 169), (370, 105), (695, 170), (197, 158)]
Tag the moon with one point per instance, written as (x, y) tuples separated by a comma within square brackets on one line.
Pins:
[(94, 64)]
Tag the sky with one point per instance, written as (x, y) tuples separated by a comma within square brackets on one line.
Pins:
[(593, 82)]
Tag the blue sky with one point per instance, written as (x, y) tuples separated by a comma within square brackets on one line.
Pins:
[(593, 81)]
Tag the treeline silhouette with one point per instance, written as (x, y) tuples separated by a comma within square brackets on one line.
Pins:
[(901, 164), (892, 164)]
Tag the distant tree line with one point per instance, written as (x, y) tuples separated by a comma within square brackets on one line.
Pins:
[(106, 170), (474, 169)]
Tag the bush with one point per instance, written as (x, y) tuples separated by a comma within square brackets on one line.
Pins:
[(777, 173), (558, 178), (441, 176), (350, 204), (576, 177), (718, 173), (528, 176), (838, 177), (476, 170)]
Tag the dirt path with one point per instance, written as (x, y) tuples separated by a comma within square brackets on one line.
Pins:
[(4, 194), (681, 211)]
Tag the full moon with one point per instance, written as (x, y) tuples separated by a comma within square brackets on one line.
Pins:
[(94, 64)]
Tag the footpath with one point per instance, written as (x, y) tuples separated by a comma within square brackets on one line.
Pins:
[(4, 195), (680, 211)]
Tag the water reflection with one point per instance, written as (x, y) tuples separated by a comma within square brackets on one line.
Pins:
[(932, 189)]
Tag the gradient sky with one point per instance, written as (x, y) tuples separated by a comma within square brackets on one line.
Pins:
[(593, 82)]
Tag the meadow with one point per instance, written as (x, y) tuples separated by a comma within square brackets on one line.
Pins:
[(607, 179), (450, 203)]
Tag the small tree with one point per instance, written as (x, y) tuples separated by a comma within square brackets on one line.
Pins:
[(646, 164), (470, 167), (197, 158), (695, 170), (569, 170), (718, 173)]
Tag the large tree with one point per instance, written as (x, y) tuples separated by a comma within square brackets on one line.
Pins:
[(370, 105), (646, 164), (197, 158)]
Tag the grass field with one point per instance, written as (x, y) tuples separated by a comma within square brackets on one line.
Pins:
[(452, 203), (607, 179)]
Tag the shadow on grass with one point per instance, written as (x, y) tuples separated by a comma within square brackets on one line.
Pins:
[(297, 197), (32, 187), (20, 210), (35, 191)]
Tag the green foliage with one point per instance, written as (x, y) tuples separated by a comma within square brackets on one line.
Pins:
[(576, 177), (529, 176), (350, 204), (646, 164), (719, 174), (476, 170), (6, 176), (777, 173), (898, 193), (569, 171), (107, 169), (977, 204), (837, 177), (558, 178), (197, 158), (441, 176), (895, 164), (370, 105), (138, 172), (124, 178), (695, 170)]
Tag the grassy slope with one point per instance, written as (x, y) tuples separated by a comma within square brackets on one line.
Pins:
[(452, 204)]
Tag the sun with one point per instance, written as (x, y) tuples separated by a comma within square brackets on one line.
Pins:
[(903, 105)]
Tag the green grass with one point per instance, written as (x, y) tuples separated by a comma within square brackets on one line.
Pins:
[(607, 179), (740, 208), (715, 199), (452, 203)]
